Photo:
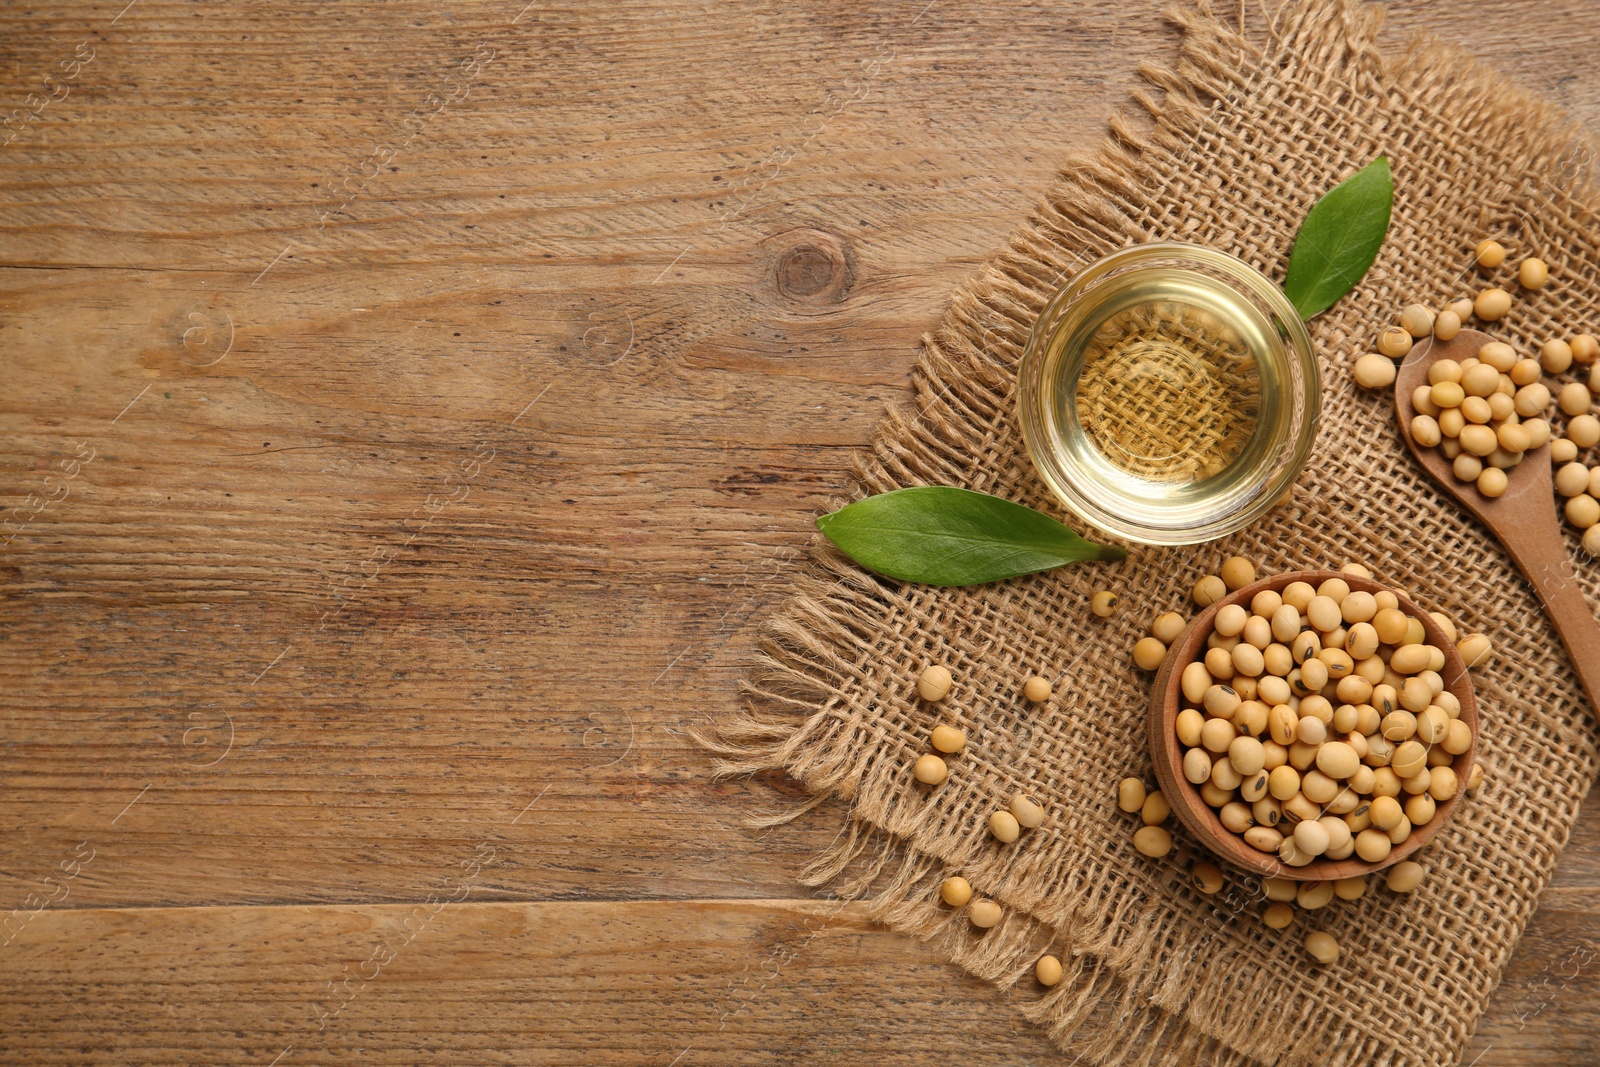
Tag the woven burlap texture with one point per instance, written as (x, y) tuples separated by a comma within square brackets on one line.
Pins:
[(1246, 129)]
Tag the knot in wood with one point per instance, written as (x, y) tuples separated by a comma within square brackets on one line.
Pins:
[(810, 266)]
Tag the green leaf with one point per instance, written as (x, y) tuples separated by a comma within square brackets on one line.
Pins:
[(942, 535), (1339, 239)]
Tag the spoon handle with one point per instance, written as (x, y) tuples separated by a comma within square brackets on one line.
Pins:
[(1540, 551)]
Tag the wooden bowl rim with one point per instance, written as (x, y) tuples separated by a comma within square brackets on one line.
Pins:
[(1202, 820)]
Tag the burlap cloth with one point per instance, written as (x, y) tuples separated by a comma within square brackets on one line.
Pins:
[(1248, 130)]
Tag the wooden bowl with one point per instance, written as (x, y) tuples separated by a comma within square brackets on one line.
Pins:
[(1203, 821)]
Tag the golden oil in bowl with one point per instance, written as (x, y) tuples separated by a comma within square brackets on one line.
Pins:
[(1169, 394)]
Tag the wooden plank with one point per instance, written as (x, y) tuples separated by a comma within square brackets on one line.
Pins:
[(648, 983), (615, 983)]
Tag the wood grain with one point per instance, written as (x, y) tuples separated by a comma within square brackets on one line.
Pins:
[(460, 382), (617, 983)]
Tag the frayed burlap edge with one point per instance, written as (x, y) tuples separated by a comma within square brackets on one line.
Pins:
[(1119, 1001)]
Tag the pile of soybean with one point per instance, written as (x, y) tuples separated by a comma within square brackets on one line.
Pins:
[(1486, 412), (1316, 724)]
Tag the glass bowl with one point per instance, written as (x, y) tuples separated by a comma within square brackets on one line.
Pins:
[(1168, 394)]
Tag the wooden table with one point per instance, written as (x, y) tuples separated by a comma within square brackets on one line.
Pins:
[(409, 411)]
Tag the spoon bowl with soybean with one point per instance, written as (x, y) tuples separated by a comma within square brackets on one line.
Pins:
[(1523, 518)]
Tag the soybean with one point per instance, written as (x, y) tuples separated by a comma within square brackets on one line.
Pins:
[(1417, 320), (1047, 970), (1491, 304), (955, 891), (1297, 595), (1311, 838), (1246, 755), (1217, 734), (1029, 813), (1189, 724), (1230, 619), (1572, 479), (1468, 467), (1209, 590), (1555, 356), (1409, 760), (1373, 845), (1283, 783), (1350, 888), (1314, 895), (1530, 401), (1004, 826), (1167, 627), (984, 913), (1395, 342), (1479, 381), (1279, 889), (1573, 398), (1526, 372), (1152, 841), (1420, 808), (1265, 603), (934, 683), (1323, 612), (1037, 689), (1148, 653), (1446, 324), (1337, 760), (1449, 394), (1219, 661), (1248, 661), (1475, 650), (1533, 273), (930, 770), (1322, 946), (1405, 876), (1311, 731), (1264, 838), (1583, 511), (1207, 877), (1373, 371), (1254, 787), (1286, 623), (1283, 724), (1359, 606), (1237, 572)]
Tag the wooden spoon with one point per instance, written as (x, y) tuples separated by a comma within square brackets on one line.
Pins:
[(1524, 518)]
